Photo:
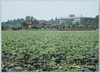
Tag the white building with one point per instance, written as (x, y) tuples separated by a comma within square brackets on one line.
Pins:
[(71, 16)]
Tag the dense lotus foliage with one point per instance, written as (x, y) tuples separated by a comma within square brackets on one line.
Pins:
[(50, 51)]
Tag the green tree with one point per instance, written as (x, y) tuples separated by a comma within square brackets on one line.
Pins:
[(69, 22), (90, 26), (4, 27), (73, 26), (24, 25), (52, 21), (96, 19), (27, 18), (67, 26), (76, 23), (13, 28)]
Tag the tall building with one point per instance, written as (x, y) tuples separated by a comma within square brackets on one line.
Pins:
[(71, 16)]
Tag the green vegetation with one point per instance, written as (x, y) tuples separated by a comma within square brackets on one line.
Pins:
[(86, 23), (53, 51)]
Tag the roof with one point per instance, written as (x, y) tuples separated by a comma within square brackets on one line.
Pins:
[(32, 19)]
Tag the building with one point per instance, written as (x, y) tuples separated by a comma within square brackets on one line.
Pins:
[(31, 22), (71, 16)]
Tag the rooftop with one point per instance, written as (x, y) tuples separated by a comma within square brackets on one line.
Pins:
[(70, 16)]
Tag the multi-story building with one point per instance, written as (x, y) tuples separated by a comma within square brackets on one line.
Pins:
[(71, 16)]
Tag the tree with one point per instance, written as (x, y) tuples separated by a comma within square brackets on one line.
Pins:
[(76, 23), (57, 26), (67, 26), (24, 25), (84, 20), (96, 19), (4, 27), (73, 26), (69, 22), (13, 28), (90, 26), (52, 21), (27, 18), (34, 27)]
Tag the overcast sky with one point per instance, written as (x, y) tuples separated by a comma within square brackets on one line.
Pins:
[(45, 10)]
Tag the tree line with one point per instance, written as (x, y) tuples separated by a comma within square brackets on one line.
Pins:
[(85, 23)]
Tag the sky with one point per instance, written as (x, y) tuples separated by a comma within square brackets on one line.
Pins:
[(45, 10)]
